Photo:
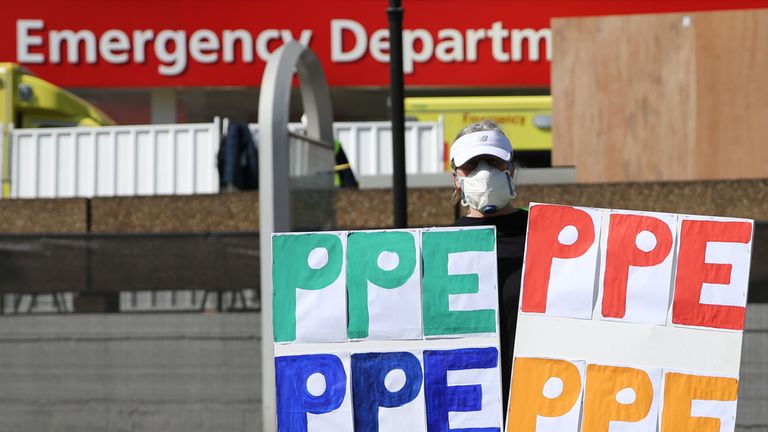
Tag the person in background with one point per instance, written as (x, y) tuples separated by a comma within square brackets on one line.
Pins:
[(481, 160), (238, 159), (344, 176)]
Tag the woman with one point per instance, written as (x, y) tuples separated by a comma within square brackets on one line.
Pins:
[(481, 159)]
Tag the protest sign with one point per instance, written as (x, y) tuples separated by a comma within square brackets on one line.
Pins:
[(387, 330), (629, 321)]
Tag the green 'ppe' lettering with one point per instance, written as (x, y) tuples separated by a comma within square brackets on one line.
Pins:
[(363, 250), (437, 284), (291, 271)]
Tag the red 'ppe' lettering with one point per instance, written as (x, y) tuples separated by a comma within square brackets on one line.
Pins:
[(692, 272), (622, 252), (544, 226)]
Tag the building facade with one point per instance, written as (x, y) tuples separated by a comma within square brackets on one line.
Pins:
[(187, 60)]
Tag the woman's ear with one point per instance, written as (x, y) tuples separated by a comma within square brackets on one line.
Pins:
[(456, 181)]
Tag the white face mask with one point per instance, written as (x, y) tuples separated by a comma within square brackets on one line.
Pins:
[(486, 188)]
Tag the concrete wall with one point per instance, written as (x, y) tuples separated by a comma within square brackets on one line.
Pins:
[(190, 373), (130, 372), (753, 386), (369, 208)]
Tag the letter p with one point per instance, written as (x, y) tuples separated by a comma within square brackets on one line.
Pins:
[(369, 372), (553, 232), (533, 395), (295, 398), (634, 241), (301, 262)]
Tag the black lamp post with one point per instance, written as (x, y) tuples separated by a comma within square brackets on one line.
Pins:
[(399, 187)]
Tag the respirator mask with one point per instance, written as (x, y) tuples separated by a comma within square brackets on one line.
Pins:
[(486, 188)]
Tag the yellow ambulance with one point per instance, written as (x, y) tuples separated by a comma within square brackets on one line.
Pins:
[(527, 121), (30, 102), (27, 101)]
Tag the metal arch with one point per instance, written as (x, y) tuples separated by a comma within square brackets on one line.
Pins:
[(274, 191)]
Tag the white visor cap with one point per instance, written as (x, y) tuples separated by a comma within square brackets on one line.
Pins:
[(479, 143)]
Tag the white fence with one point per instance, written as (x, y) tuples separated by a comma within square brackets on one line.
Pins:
[(181, 159), (304, 157), (423, 147), (114, 161), (368, 146)]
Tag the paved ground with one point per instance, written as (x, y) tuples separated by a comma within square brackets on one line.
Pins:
[(191, 372)]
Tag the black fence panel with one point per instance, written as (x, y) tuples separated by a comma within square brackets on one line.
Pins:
[(99, 263), (110, 263), (43, 264)]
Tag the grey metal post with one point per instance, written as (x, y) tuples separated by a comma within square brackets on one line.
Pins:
[(274, 190)]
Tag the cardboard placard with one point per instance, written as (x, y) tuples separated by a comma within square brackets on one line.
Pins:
[(387, 330), (661, 338)]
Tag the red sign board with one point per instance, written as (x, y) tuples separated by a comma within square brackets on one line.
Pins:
[(155, 43)]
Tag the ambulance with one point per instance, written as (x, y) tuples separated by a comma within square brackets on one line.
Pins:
[(527, 121), (30, 102)]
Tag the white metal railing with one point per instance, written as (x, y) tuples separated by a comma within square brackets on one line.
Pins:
[(114, 161), (302, 153), (181, 159), (368, 146)]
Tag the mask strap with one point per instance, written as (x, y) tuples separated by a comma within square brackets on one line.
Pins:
[(464, 201), (512, 192)]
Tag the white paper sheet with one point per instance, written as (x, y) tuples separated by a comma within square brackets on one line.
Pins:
[(627, 396), (339, 420), (648, 288), (484, 265), (570, 421), (488, 416), (709, 310), (724, 411), (408, 417), (321, 315), (572, 282), (735, 292), (396, 313)]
